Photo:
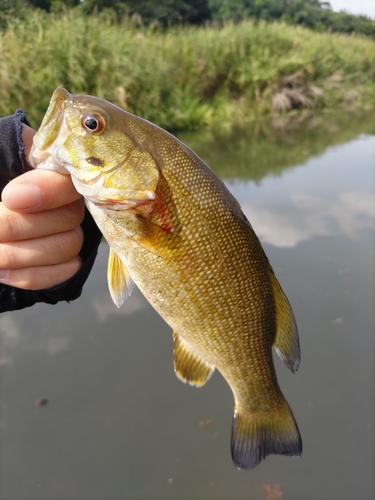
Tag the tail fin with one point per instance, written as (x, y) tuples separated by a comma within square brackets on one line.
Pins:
[(256, 435)]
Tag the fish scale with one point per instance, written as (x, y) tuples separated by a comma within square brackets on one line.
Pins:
[(177, 232)]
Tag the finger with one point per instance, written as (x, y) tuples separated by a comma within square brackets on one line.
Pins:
[(16, 226), (43, 277), (39, 190), (50, 250)]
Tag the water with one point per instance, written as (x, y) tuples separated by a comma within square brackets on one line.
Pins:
[(118, 424)]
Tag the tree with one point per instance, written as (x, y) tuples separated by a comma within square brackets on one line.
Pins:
[(166, 12)]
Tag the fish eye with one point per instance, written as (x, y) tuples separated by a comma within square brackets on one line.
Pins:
[(93, 123)]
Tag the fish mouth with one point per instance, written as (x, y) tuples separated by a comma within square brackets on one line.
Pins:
[(110, 205), (51, 124)]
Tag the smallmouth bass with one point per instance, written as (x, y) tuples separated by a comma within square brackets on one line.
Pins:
[(176, 232)]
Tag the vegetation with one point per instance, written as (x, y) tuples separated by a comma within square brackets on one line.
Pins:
[(183, 77), (315, 14)]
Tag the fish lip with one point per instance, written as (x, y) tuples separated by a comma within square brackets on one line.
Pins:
[(52, 120), (116, 205)]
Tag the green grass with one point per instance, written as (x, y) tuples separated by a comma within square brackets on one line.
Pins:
[(185, 77)]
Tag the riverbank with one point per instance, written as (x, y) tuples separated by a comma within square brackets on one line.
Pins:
[(185, 77)]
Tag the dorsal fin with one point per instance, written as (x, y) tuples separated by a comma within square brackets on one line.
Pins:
[(189, 366), (286, 341), (119, 280)]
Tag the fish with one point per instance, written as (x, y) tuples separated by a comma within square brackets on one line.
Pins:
[(178, 234)]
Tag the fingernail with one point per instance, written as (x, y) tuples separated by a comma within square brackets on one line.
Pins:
[(4, 275), (20, 196)]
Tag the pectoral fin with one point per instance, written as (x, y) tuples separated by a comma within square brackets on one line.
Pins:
[(286, 341), (119, 281), (189, 366), (167, 245), (157, 239)]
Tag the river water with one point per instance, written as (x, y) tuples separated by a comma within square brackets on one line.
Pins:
[(118, 424)]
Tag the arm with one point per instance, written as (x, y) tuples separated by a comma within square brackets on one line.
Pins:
[(46, 253)]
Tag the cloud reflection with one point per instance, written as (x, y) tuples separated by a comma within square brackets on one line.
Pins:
[(104, 307), (9, 338), (308, 216), (14, 338)]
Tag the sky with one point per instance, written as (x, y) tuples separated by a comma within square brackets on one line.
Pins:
[(366, 7)]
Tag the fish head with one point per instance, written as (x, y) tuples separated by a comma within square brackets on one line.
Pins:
[(100, 146)]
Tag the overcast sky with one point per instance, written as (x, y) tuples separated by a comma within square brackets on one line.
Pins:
[(366, 7)]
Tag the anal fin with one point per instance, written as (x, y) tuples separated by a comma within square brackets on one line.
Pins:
[(286, 341), (189, 366), (119, 280)]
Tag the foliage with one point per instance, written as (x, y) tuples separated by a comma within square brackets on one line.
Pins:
[(315, 14), (166, 12), (184, 77)]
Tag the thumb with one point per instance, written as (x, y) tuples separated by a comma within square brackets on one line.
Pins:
[(39, 190)]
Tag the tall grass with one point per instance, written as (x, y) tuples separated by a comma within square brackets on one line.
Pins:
[(184, 77)]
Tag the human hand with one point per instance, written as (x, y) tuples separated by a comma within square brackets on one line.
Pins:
[(40, 232)]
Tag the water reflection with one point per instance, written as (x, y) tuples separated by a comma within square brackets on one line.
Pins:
[(298, 207), (268, 147), (332, 194), (103, 306), (15, 338), (118, 423)]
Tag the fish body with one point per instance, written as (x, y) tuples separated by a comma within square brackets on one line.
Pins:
[(176, 232)]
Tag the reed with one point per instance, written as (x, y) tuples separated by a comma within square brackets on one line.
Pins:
[(184, 77)]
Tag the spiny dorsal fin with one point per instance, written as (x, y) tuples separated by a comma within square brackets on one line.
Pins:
[(189, 366), (119, 281), (286, 341)]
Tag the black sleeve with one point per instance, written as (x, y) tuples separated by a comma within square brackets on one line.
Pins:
[(12, 164)]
